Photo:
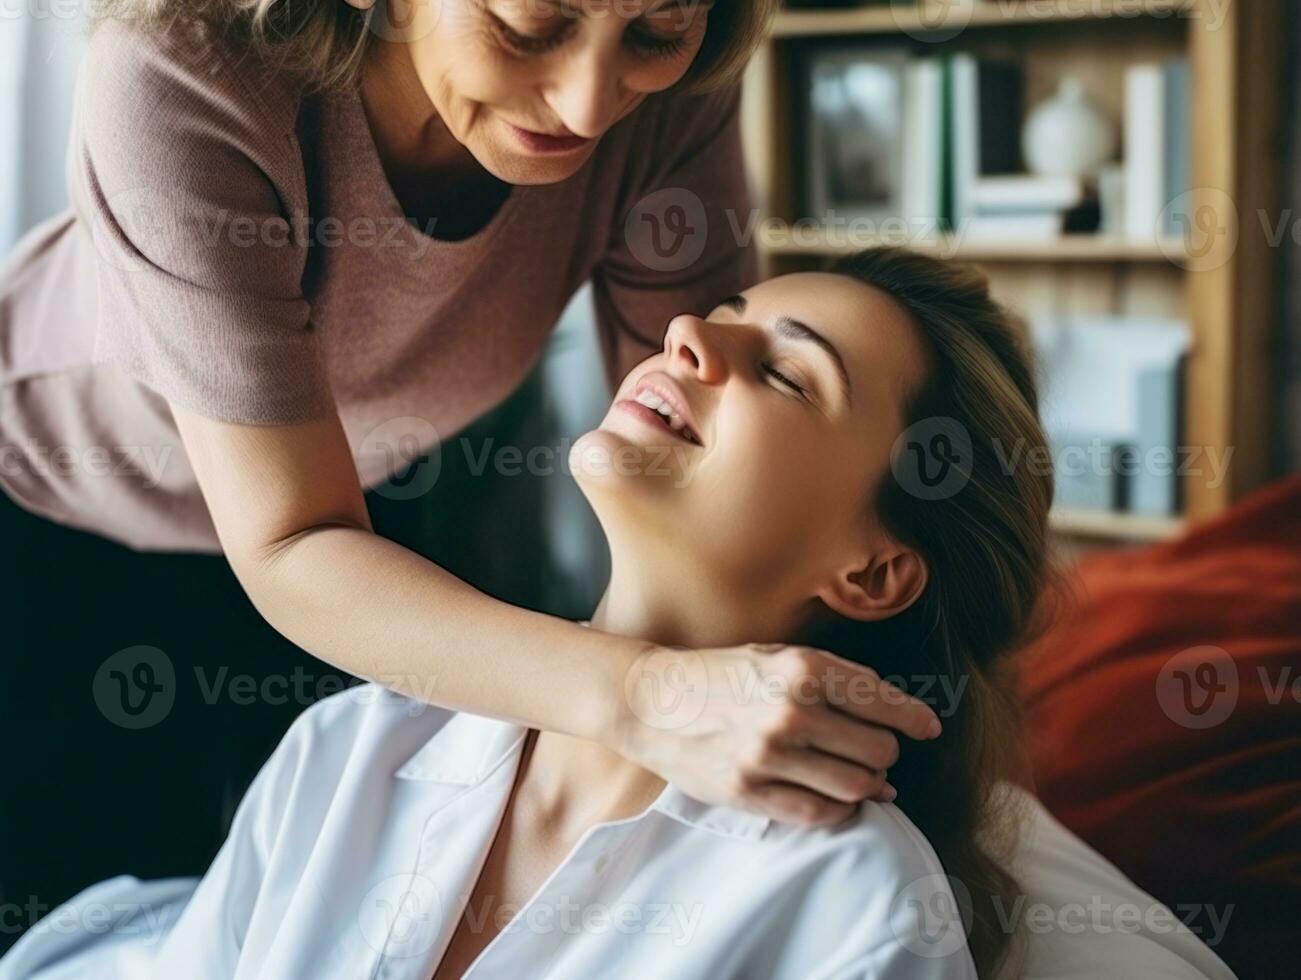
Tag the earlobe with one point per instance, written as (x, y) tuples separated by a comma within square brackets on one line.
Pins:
[(884, 587)]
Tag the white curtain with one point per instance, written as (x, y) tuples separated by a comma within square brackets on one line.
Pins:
[(41, 42)]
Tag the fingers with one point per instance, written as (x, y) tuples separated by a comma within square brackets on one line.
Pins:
[(824, 774), (850, 739), (792, 804), (860, 692)]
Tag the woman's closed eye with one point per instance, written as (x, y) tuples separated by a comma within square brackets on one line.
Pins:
[(653, 44), (785, 380), (541, 39), (536, 41)]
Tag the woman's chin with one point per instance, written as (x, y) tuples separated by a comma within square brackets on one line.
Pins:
[(521, 168), (606, 463)]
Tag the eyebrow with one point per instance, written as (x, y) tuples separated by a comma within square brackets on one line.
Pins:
[(793, 329)]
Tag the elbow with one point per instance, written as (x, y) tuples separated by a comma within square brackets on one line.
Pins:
[(272, 571)]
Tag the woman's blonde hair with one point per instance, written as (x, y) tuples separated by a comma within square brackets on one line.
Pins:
[(322, 43)]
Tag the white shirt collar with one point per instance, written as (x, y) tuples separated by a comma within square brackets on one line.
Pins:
[(468, 748)]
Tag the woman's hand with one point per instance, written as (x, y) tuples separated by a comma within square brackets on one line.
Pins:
[(791, 732)]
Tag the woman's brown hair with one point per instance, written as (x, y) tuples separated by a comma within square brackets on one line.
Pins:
[(982, 531), (322, 43)]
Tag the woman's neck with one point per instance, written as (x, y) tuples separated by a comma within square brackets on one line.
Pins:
[(579, 782)]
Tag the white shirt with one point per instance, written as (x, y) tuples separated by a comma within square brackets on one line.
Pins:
[(359, 843)]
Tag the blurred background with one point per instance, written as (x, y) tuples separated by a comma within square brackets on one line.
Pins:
[(1124, 171)]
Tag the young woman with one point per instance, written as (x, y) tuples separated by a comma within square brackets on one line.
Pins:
[(755, 478), (303, 234)]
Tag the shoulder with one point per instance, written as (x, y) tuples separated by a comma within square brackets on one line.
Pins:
[(178, 82), (366, 720), (876, 881), (879, 834), (186, 169)]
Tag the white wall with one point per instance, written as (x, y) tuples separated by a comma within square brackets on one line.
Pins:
[(41, 42)]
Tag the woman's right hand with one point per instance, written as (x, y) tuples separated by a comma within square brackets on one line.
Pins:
[(791, 732)]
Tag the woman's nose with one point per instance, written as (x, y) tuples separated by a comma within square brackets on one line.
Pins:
[(585, 92), (689, 344)]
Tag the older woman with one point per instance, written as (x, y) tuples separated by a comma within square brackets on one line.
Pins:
[(301, 235)]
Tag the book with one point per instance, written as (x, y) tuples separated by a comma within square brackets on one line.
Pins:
[(1044, 226), (1178, 144), (1145, 149), (1110, 385), (1028, 192), (1154, 488), (923, 148), (1085, 472), (985, 110)]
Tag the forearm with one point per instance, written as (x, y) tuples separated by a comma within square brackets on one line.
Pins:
[(380, 611)]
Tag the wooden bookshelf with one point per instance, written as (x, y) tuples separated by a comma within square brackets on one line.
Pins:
[(1068, 248), (892, 18), (1234, 50), (1112, 526)]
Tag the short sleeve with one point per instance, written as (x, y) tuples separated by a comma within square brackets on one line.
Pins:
[(681, 240), (186, 176)]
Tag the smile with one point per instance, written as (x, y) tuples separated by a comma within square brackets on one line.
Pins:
[(547, 143), (657, 400)]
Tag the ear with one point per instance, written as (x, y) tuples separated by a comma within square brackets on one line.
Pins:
[(885, 586)]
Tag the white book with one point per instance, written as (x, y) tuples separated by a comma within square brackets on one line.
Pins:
[(1090, 365), (1027, 192), (1144, 150), (1044, 227), (1154, 489), (965, 111), (923, 146)]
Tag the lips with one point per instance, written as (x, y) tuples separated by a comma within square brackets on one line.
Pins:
[(661, 399), (546, 142)]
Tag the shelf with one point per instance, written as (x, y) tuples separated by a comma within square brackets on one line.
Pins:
[(813, 242), (896, 18), (1116, 527)]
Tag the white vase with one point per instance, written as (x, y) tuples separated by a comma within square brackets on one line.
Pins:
[(1068, 135)]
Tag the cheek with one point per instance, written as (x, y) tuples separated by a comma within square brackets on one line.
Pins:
[(461, 65), (770, 490)]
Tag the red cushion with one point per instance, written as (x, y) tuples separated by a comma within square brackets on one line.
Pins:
[(1164, 723)]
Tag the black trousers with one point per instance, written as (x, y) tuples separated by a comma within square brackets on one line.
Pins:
[(141, 692)]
